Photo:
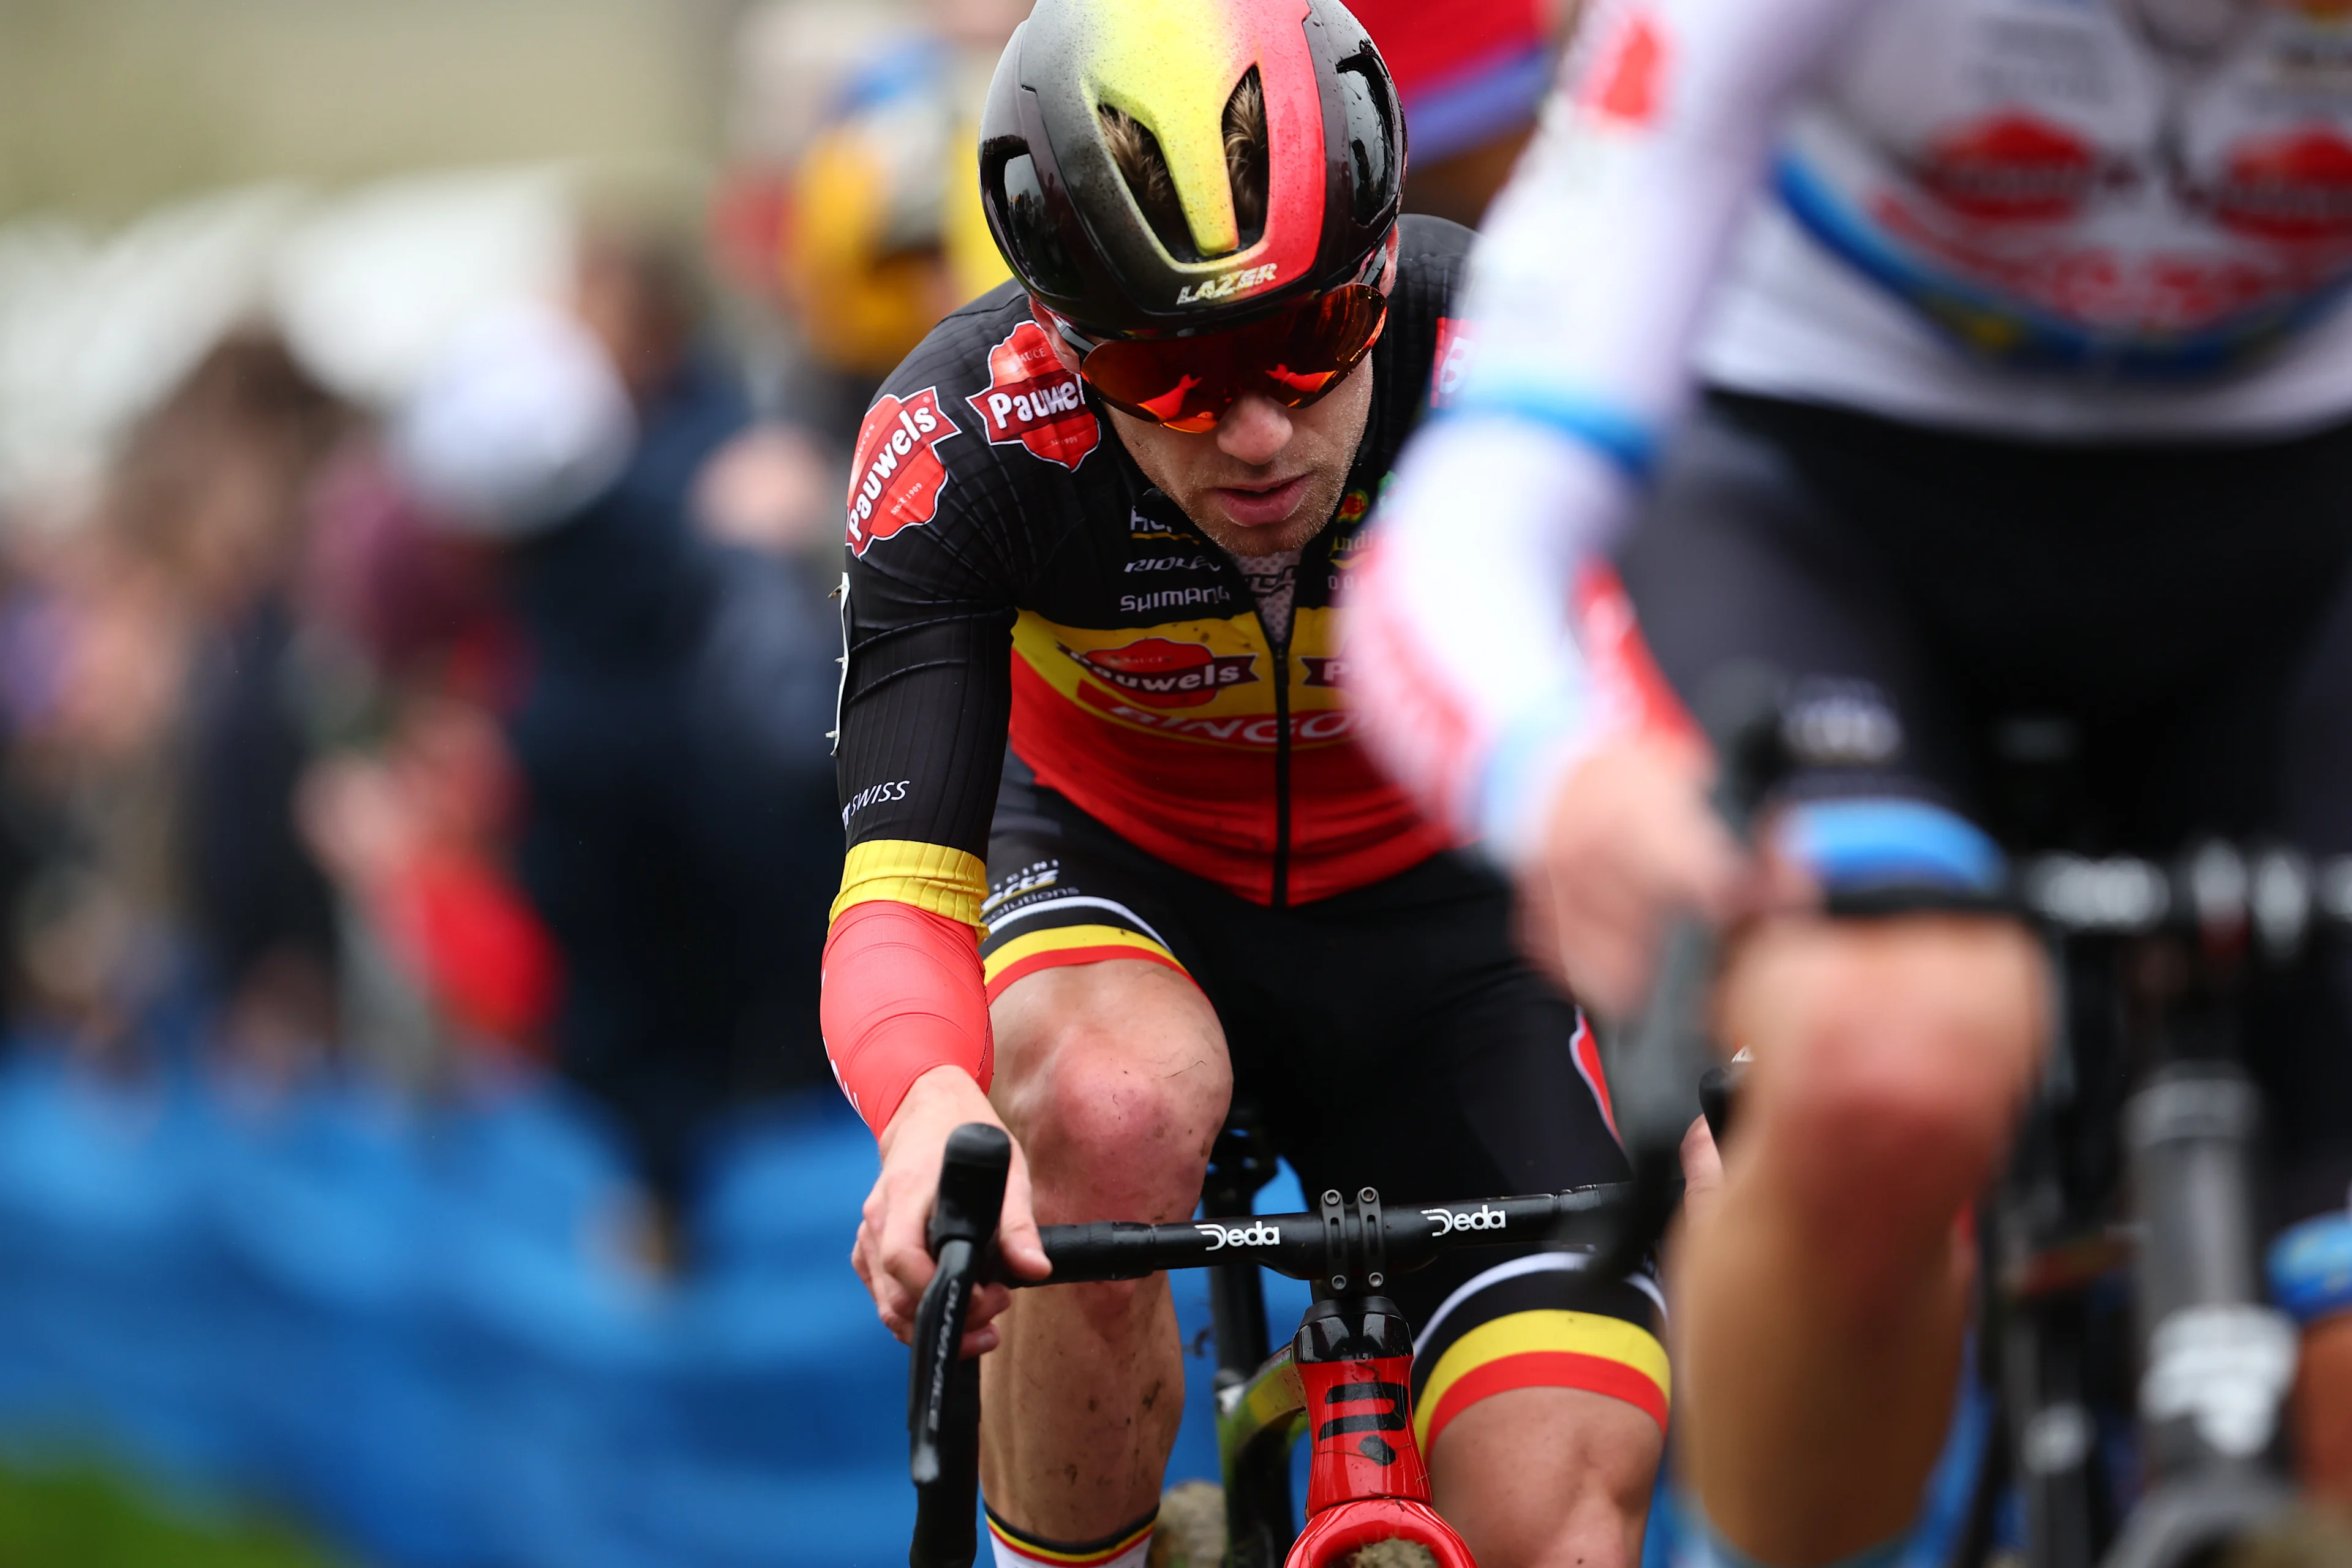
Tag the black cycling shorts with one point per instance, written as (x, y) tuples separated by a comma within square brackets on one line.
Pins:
[(1390, 1037), (2184, 609)]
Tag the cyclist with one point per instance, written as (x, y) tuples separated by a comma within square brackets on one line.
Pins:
[(2023, 394), (1105, 509)]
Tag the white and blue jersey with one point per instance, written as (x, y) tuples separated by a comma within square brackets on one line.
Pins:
[(2080, 222)]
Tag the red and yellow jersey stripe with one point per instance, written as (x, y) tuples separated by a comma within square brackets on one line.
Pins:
[(1544, 1348)]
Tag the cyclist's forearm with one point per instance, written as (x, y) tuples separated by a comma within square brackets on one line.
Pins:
[(903, 998), (1461, 648)]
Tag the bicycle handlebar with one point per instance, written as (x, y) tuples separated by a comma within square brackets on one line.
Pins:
[(2272, 894), (1317, 1247)]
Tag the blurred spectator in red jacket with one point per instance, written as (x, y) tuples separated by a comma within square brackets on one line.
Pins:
[(415, 811)]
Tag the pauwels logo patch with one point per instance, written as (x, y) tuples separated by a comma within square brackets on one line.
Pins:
[(897, 476), (1033, 400), (1159, 673)]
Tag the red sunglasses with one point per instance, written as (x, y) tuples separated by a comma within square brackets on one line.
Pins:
[(1293, 357)]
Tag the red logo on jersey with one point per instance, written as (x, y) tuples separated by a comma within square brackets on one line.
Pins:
[(897, 476), (2012, 168), (1163, 674), (1034, 399), (1455, 341), (1626, 86), (2289, 187)]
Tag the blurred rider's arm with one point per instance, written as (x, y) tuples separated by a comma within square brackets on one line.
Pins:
[(1589, 286)]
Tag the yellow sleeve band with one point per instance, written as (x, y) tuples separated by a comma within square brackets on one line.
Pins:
[(932, 876)]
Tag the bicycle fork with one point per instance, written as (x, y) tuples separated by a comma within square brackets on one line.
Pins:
[(1365, 1478)]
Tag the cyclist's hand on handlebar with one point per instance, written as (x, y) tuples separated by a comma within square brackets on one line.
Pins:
[(891, 1255), (1702, 1168), (1631, 842)]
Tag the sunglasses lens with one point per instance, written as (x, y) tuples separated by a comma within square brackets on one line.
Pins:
[(1187, 383), (1324, 342)]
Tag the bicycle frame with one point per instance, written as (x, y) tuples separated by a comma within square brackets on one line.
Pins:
[(1259, 1410), (1346, 1378)]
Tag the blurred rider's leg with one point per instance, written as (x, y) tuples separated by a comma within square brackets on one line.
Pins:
[(1938, 583), (1821, 1301)]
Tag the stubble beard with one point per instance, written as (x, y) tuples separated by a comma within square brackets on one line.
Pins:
[(1313, 516)]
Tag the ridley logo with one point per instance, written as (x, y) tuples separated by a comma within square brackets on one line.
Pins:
[(1034, 401), (1448, 1221), (1159, 673), (896, 475), (1258, 1235), (1225, 287)]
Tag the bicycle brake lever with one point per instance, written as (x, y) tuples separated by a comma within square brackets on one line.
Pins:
[(971, 1186), (943, 1389)]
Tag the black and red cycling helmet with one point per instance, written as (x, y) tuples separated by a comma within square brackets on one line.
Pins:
[(1078, 237)]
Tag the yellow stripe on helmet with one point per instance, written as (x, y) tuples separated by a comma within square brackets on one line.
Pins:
[(1173, 67)]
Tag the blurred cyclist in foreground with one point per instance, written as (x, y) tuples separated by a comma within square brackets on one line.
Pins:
[(2022, 393), (1105, 509)]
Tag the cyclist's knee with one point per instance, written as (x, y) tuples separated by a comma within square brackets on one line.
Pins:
[(1892, 1059), (1548, 1477), (1116, 1084)]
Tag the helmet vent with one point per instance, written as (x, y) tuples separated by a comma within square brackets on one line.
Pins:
[(1247, 156), (1144, 167), (1024, 219), (1371, 134)]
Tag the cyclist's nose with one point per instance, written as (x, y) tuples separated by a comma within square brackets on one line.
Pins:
[(1254, 430)]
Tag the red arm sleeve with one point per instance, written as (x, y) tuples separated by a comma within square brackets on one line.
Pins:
[(903, 994)]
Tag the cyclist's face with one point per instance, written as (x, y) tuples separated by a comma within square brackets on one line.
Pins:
[(1268, 478)]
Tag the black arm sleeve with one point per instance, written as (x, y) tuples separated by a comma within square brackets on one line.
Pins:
[(927, 691)]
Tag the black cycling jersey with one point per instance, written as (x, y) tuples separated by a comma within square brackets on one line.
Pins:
[(1011, 568)]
